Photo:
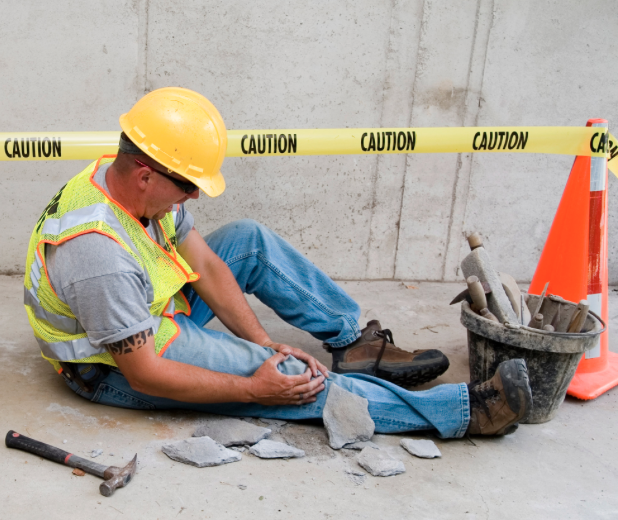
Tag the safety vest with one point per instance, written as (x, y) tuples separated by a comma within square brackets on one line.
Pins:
[(80, 207)]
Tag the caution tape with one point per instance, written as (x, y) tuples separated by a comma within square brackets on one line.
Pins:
[(586, 141)]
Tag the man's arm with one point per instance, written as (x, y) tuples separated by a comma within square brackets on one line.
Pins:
[(153, 375), (219, 289)]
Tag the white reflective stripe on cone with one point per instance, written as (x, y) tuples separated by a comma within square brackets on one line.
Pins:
[(598, 174), (594, 300)]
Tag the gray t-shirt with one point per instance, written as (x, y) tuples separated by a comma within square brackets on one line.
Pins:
[(102, 283)]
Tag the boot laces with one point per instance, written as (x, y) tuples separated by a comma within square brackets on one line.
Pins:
[(387, 337), (480, 393)]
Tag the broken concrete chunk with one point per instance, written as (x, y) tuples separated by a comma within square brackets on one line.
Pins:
[(201, 452), (425, 449), (357, 477), (275, 450), (379, 463), (346, 418), (96, 453), (361, 445), (478, 263), (232, 432), (274, 422)]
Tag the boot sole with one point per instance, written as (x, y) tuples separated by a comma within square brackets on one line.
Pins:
[(410, 375), (516, 384)]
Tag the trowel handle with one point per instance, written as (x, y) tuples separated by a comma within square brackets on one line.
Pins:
[(579, 317), (475, 240), (477, 293)]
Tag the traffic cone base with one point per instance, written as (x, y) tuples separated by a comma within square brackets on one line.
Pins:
[(592, 384)]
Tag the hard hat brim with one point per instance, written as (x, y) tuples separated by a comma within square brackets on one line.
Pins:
[(212, 186)]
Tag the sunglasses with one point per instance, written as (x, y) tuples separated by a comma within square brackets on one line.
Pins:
[(186, 186)]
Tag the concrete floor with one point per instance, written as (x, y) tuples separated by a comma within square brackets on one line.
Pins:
[(562, 469)]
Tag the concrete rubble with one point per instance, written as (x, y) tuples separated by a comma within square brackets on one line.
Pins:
[(379, 463), (356, 476), (96, 453), (201, 452), (423, 448), (346, 418), (232, 432), (266, 449), (361, 445), (273, 422)]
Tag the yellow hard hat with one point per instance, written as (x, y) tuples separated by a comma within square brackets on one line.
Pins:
[(184, 132)]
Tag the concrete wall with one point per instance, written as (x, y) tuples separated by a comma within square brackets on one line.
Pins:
[(70, 65)]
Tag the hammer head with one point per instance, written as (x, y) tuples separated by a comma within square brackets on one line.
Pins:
[(117, 477)]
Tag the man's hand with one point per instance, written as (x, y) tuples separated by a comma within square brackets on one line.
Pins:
[(313, 363), (271, 387)]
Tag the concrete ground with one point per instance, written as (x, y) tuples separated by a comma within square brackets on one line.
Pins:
[(562, 469)]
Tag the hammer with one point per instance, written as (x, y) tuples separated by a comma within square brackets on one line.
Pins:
[(114, 477)]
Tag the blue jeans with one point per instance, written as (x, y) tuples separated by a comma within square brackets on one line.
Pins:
[(267, 266)]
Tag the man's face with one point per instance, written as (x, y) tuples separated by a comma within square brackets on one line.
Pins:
[(163, 194)]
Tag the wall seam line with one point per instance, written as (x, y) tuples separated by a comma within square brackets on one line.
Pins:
[(405, 170), (376, 173), (459, 161)]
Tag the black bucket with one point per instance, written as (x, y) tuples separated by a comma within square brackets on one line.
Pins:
[(552, 357)]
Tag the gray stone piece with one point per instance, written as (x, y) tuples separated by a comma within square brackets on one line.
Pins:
[(232, 432), (356, 476), (266, 449), (346, 418), (361, 445), (95, 453), (379, 463), (273, 422), (478, 263), (201, 452), (425, 449)]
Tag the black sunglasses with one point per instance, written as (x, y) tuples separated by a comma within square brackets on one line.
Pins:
[(186, 186)]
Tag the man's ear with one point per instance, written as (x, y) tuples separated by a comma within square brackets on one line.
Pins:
[(143, 177)]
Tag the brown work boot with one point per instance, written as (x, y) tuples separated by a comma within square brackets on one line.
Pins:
[(375, 354), (498, 404)]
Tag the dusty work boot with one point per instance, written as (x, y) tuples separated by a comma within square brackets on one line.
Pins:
[(498, 404), (375, 354)]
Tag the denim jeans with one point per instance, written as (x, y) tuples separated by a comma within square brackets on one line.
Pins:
[(301, 294)]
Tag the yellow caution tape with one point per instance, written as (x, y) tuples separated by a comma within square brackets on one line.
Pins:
[(587, 141)]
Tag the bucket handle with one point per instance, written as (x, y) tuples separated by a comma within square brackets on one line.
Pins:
[(600, 319)]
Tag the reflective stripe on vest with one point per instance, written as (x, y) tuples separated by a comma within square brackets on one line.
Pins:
[(100, 212), (62, 323), (78, 348)]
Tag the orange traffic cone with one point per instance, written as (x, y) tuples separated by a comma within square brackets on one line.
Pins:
[(574, 262)]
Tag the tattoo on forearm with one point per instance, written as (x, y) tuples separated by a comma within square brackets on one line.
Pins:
[(128, 345)]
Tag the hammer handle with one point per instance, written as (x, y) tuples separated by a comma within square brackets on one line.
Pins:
[(21, 442)]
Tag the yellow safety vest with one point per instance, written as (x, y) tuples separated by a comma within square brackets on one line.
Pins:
[(80, 207)]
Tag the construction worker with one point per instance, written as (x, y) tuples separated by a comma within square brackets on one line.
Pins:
[(119, 286)]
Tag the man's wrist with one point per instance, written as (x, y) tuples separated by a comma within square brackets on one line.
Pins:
[(248, 390), (269, 343)]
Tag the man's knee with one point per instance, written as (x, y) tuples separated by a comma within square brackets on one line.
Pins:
[(249, 228)]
